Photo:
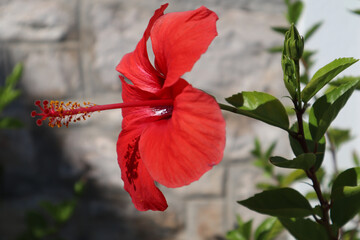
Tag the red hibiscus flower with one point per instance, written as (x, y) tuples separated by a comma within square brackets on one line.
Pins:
[(171, 133), (174, 144)]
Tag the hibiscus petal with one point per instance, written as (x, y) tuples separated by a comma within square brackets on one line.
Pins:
[(139, 115), (179, 150), (178, 40), (137, 181), (136, 65)]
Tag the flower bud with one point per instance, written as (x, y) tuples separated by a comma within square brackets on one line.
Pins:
[(289, 69), (294, 43)]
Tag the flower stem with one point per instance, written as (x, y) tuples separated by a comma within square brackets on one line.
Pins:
[(311, 174)]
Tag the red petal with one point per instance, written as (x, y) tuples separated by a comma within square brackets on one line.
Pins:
[(178, 40), (136, 65), (139, 115), (137, 181), (179, 150)]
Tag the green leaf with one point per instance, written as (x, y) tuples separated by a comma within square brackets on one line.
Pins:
[(242, 232), (312, 145), (304, 229), (294, 11), (338, 136), (304, 161), (36, 224), (345, 79), (276, 49), (261, 106), (66, 210), (344, 208), (281, 30), (345, 195), (356, 11), (269, 229), (327, 107), (79, 187), (292, 177), (265, 186), (9, 122), (349, 177), (8, 92), (356, 159), (282, 202), (312, 30), (325, 75)]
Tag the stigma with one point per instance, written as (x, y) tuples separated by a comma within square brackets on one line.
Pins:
[(61, 114)]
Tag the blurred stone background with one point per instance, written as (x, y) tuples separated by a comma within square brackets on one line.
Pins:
[(69, 49)]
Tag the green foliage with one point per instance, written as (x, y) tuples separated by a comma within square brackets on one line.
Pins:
[(304, 161), (339, 200), (262, 158), (345, 79), (338, 136), (325, 75), (356, 11), (345, 195), (281, 202), (46, 223), (8, 93), (310, 143), (309, 33), (260, 106), (294, 11), (304, 229), (269, 229), (327, 107)]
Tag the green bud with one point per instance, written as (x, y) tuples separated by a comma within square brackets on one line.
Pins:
[(289, 69), (293, 44)]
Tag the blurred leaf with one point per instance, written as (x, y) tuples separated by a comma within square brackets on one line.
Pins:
[(261, 106), (304, 229), (270, 150), (356, 11), (326, 108), (79, 187), (265, 186), (269, 229), (60, 212), (350, 235), (312, 30), (66, 210), (276, 49), (307, 60), (356, 159), (242, 232), (282, 202), (292, 177), (9, 122), (312, 145), (294, 11), (338, 136), (257, 150), (340, 81), (304, 161), (37, 224), (325, 75), (281, 30), (8, 93)]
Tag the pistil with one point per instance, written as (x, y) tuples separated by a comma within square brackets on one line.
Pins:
[(61, 113)]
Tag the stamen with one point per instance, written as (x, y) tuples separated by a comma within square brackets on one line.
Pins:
[(61, 114)]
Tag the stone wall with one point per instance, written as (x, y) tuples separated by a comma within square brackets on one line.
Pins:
[(70, 49)]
